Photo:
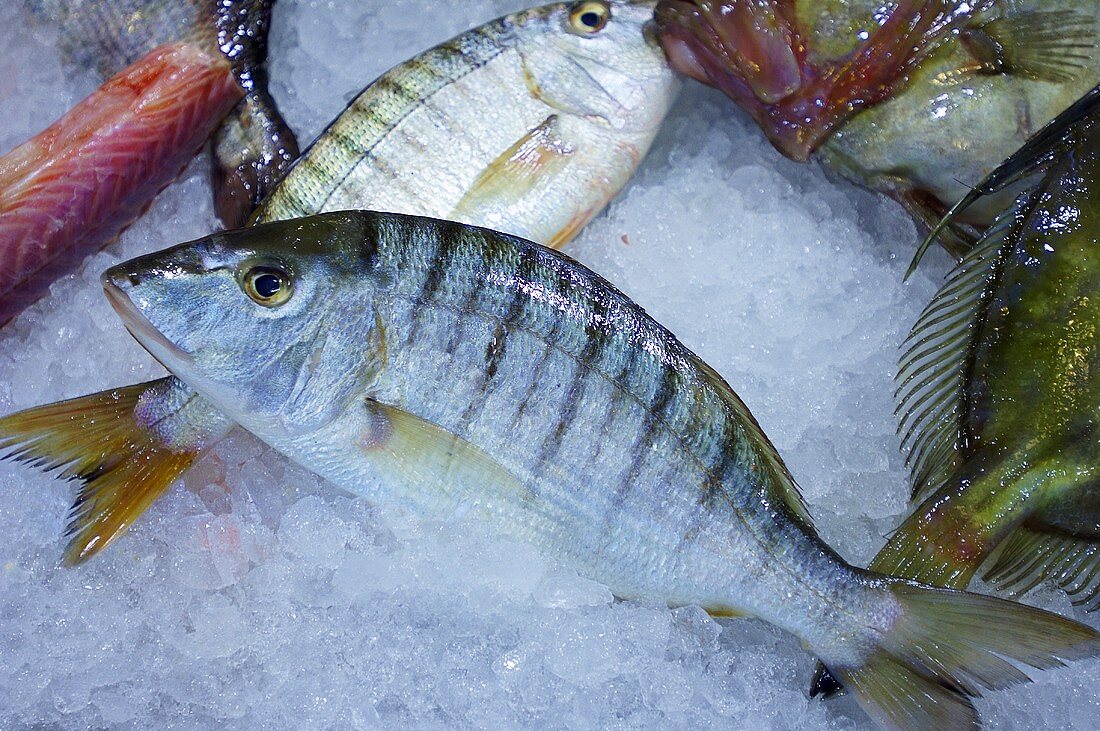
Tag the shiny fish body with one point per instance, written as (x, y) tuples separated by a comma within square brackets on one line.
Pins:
[(1001, 420), (461, 372), (557, 375), (521, 125), (543, 164)]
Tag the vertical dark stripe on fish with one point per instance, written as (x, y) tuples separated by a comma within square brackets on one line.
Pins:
[(347, 143), (639, 451), (618, 394), (438, 263), (596, 339)]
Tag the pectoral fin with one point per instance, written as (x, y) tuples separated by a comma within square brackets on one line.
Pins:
[(539, 154), (1050, 46), (426, 457)]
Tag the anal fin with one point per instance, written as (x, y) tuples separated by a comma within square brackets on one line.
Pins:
[(1030, 556)]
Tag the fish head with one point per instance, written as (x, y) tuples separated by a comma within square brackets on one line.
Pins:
[(275, 323), (744, 49), (596, 59)]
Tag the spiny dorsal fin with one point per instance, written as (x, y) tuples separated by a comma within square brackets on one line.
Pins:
[(1031, 556), (933, 367), (1042, 45), (1033, 156)]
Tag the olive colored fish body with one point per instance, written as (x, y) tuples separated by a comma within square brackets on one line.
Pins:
[(916, 99), (528, 124), (458, 371), (954, 121), (254, 146), (1003, 421)]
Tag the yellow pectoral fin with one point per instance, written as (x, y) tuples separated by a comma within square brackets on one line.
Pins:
[(539, 154), (426, 457)]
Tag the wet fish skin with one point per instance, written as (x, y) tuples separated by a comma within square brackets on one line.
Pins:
[(939, 119), (76, 185), (540, 170), (1032, 340), (457, 371), (572, 116), (998, 388), (254, 146)]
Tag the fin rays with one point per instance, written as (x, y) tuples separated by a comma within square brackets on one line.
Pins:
[(933, 365), (1031, 556)]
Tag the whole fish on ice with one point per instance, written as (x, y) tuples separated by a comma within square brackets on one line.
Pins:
[(916, 99), (578, 90), (455, 370)]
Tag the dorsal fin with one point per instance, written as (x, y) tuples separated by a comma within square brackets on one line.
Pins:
[(1030, 556), (933, 367), (784, 488), (1033, 156)]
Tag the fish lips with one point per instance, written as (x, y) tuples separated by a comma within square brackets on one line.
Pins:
[(118, 283)]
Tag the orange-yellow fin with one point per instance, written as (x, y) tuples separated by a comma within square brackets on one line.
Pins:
[(117, 444), (536, 156), (1029, 556)]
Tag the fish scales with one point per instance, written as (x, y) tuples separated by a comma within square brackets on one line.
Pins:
[(580, 106), (380, 126), (481, 98), (562, 415), (605, 363)]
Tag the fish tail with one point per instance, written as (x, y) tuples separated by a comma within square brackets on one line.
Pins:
[(125, 445), (942, 647), (252, 150)]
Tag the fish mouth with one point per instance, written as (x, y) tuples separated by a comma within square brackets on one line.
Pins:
[(116, 284)]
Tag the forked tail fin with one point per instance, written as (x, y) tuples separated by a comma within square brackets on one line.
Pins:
[(944, 647), (126, 445)]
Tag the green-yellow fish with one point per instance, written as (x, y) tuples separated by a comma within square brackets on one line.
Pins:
[(999, 388)]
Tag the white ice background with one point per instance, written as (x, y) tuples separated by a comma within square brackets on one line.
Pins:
[(256, 596)]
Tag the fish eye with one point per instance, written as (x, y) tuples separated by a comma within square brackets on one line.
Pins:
[(267, 285), (589, 18)]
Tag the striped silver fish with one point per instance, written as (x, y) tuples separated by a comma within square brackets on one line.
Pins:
[(529, 124), (455, 370)]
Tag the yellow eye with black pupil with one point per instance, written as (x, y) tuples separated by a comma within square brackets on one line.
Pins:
[(589, 18), (268, 286)]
